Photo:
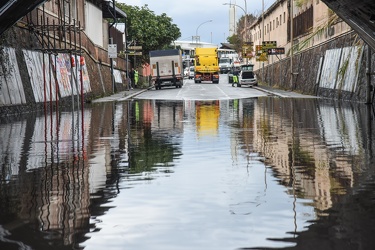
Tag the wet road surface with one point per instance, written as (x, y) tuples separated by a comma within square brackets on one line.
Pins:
[(222, 174)]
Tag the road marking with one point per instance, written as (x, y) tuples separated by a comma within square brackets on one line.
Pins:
[(227, 97)]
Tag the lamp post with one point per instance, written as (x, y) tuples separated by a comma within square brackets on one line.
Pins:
[(196, 32)]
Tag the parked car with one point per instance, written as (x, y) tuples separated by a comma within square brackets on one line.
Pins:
[(247, 76), (191, 72)]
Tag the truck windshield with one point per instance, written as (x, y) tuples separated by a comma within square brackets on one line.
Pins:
[(224, 60)]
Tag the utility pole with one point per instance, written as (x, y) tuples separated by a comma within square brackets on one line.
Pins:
[(291, 44)]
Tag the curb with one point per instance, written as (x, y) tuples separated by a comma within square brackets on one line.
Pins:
[(134, 94)]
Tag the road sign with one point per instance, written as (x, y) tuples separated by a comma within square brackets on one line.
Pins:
[(134, 53), (262, 57), (249, 43), (247, 50), (135, 47), (276, 51), (258, 49), (112, 50), (269, 44)]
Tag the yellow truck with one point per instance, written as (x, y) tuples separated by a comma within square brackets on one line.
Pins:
[(206, 65)]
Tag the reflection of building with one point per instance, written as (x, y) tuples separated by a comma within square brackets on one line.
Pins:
[(50, 173), (243, 116), (207, 117), (309, 164)]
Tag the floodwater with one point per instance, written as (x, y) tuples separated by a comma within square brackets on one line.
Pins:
[(234, 174)]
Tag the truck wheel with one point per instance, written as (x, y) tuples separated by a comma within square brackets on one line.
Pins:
[(238, 85)]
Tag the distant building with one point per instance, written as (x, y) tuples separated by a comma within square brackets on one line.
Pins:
[(188, 47)]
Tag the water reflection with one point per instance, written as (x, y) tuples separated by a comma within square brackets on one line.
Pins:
[(230, 174)]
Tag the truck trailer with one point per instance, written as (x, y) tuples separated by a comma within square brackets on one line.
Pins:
[(166, 68), (206, 65)]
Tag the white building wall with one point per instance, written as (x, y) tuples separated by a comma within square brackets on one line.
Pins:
[(94, 20)]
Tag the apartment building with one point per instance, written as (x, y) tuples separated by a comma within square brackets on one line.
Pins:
[(313, 24)]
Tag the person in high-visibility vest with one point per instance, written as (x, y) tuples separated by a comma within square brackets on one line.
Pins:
[(136, 78), (235, 77)]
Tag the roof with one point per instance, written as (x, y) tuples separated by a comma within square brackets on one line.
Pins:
[(226, 46)]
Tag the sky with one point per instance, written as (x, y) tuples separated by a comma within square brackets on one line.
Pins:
[(193, 16)]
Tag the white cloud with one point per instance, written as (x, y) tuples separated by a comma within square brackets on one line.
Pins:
[(188, 15)]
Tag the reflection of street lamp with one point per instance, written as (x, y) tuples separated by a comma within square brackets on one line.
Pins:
[(196, 32)]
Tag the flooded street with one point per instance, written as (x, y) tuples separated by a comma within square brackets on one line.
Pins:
[(232, 174)]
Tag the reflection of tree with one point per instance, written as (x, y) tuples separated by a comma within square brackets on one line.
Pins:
[(151, 153), (151, 135)]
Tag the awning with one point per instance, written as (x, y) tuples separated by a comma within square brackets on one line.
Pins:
[(109, 11), (13, 10)]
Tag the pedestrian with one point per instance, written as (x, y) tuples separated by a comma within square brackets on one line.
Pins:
[(136, 78), (235, 77), (131, 76)]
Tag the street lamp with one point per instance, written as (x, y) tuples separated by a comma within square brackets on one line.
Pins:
[(196, 32)]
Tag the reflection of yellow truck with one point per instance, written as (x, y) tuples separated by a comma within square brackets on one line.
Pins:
[(207, 117), (206, 65)]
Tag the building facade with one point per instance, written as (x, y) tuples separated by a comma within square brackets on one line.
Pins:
[(313, 24)]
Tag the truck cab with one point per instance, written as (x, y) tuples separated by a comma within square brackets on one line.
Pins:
[(225, 65)]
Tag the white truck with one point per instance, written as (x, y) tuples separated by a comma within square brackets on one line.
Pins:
[(166, 68), (225, 64)]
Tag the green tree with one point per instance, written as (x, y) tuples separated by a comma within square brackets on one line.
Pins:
[(236, 41), (148, 30)]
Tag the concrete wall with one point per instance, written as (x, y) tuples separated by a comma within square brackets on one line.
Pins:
[(335, 69), (30, 79)]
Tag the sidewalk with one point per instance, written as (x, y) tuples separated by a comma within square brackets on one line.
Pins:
[(282, 93), (121, 96)]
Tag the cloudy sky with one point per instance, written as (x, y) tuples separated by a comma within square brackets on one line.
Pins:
[(188, 15)]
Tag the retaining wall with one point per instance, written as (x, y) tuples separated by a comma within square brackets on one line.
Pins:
[(335, 69), (31, 78)]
